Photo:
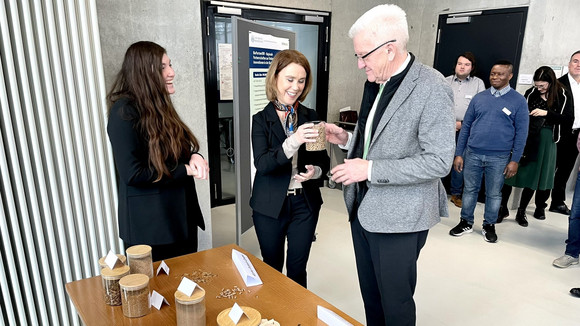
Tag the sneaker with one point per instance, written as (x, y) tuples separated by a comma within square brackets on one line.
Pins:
[(456, 199), (565, 261), (503, 213), (488, 232), (462, 228)]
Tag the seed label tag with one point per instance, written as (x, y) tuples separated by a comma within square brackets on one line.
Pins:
[(187, 286), (163, 266), (245, 268)]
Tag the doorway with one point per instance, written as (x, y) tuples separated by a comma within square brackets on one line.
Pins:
[(491, 35), (312, 34)]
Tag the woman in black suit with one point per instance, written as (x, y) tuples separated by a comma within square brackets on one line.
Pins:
[(155, 155), (286, 196)]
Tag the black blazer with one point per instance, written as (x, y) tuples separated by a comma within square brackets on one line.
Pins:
[(153, 213), (567, 127), (274, 169)]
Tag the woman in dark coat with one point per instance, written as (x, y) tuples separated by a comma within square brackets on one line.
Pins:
[(286, 197), (155, 155), (550, 106)]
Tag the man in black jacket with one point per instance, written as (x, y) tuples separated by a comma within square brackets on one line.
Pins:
[(567, 151)]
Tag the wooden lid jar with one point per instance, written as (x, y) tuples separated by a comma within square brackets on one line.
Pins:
[(122, 258), (190, 310), (223, 319), (140, 260), (135, 295), (110, 279)]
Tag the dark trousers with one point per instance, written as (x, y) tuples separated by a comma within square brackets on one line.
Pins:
[(387, 274), (527, 194), (295, 223), (565, 159)]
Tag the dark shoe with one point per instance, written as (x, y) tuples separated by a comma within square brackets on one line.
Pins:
[(521, 217), (461, 228), (456, 199), (562, 209), (488, 232), (575, 292), (503, 213), (540, 214)]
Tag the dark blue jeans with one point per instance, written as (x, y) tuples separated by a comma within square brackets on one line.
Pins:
[(474, 167), (573, 242)]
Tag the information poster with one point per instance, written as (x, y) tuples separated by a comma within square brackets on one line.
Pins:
[(262, 48), (225, 68)]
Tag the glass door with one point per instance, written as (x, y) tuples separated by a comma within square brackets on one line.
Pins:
[(312, 40)]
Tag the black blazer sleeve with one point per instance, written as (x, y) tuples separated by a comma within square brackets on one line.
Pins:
[(274, 169), (153, 213), (131, 152)]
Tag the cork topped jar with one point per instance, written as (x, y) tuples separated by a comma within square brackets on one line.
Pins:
[(254, 317), (190, 310), (111, 288), (122, 258), (135, 295), (140, 260)]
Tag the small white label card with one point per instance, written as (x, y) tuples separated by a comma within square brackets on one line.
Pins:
[(330, 318), (525, 79), (506, 111), (237, 314), (111, 259), (157, 300), (163, 266), (246, 269), (186, 286)]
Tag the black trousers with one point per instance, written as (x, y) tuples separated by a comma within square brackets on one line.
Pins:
[(565, 159), (387, 274), (297, 224)]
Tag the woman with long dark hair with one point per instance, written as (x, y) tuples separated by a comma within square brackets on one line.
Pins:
[(156, 156), (550, 106)]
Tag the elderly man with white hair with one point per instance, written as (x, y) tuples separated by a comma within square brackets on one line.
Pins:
[(402, 145)]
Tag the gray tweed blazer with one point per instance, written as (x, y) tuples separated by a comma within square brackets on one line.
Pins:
[(411, 149)]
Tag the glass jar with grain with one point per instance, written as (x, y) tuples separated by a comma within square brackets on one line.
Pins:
[(110, 279), (190, 310), (135, 295), (140, 260)]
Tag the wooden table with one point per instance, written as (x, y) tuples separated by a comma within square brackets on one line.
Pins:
[(277, 298)]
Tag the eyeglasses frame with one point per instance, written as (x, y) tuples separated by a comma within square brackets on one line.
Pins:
[(363, 57)]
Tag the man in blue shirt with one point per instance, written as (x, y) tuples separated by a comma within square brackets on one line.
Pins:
[(491, 141)]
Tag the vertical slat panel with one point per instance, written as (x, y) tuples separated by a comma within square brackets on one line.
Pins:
[(17, 156), (50, 164), (10, 283), (106, 164), (83, 141), (57, 175)]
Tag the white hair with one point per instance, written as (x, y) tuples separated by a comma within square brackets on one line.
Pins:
[(383, 21)]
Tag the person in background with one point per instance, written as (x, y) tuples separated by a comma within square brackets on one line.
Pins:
[(400, 149), (156, 156), (286, 197), (549, 106), (465, 85), (567, 151), (572, 251), (491, 142)]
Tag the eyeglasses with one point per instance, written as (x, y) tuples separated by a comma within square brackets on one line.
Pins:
[(363, 57), (542, 86)]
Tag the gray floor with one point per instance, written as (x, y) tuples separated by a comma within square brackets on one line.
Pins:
[(462, 281)]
